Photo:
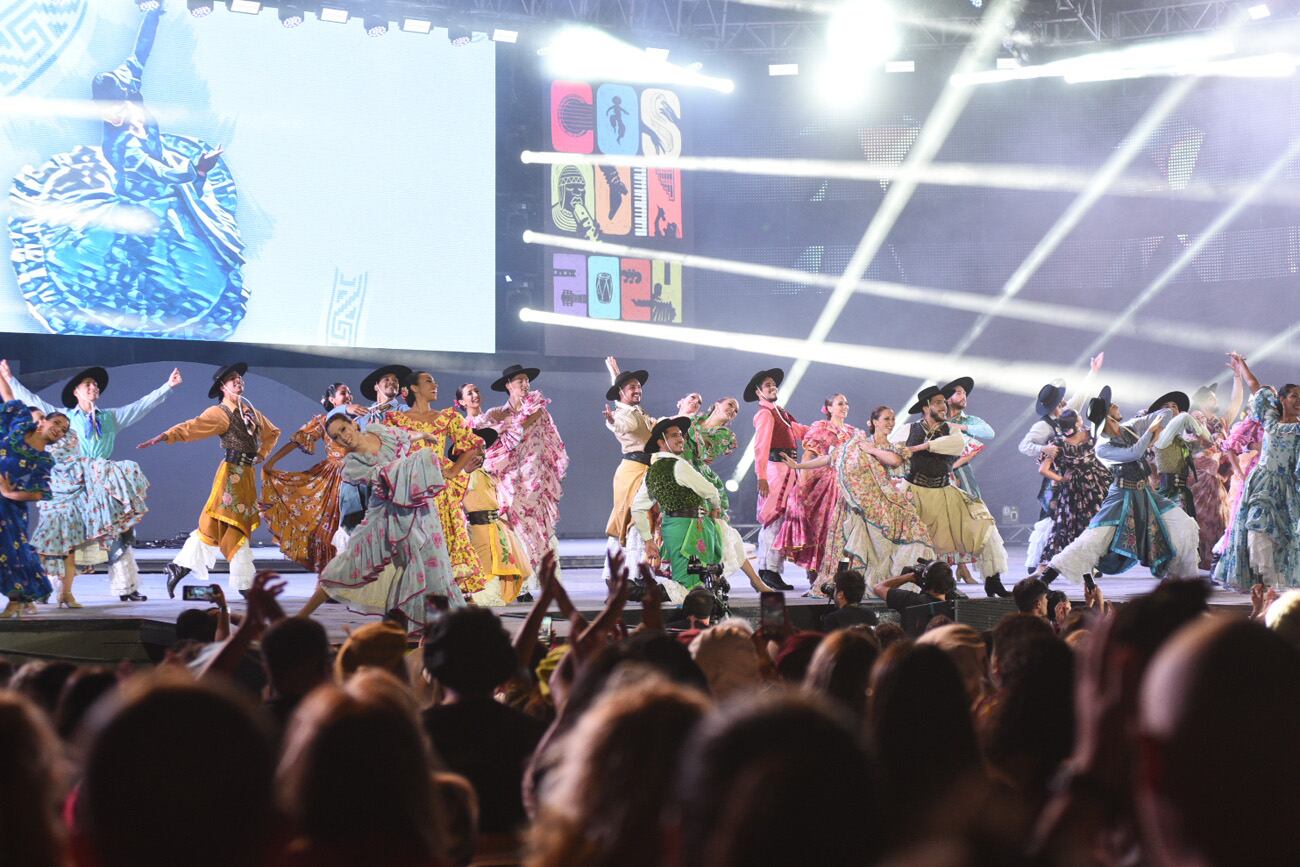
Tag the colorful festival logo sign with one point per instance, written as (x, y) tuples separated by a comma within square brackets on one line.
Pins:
[(607, 202)]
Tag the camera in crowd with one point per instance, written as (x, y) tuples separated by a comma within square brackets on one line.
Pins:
[(710, 575)]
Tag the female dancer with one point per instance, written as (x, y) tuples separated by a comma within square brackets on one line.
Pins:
[(502, 554), (879, 428), (710, 437), (305, 509), (1241, 447), (93, 501), (470, 401), (446, 426), (812, 506), (398, 554), (24, 477), (1264, 540), (1213, 467), (1080, 483)]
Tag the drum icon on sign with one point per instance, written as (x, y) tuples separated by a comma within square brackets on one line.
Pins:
[(604, 288)]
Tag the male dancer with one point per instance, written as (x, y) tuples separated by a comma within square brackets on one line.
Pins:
[(1173, 452), (383, 388), (631, 427), (959, 524), (96, 431), (688, 504), (974, 429), (529, 462), (229, 516), (1051, 403), (777, 435), (1134, 524)]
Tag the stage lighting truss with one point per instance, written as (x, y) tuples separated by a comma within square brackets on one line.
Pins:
[(199, 8), (291, 16), (246, 7)]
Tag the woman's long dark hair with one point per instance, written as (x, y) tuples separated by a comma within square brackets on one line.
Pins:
[(332, 390), (875, 414)]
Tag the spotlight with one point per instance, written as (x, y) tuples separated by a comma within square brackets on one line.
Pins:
[(459, 36), (376, 25), (199, 8), (333, 14), (416, 25), (291, 16), (775, 69), (732, 485), (1258, 12), (862, 33), (499, 35), (978, 4), (246, 7)]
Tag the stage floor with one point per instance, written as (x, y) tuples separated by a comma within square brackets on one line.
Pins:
[(580, 574)]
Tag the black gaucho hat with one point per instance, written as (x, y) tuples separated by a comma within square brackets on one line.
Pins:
[(965, 383), (401, 371), (1179, 398), (1049, 396), (1098, 409), (623, 379), (99, 374), (223, 374), (489, 436), (751, 390), (661, 427), (926, 394), (511, 372)]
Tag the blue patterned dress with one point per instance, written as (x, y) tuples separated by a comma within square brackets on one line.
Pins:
[(21, 577), (1269, 508)]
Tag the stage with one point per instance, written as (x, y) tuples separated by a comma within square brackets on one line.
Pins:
[(108, 630)]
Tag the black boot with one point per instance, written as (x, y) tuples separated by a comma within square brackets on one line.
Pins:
[(993, 586), (134, 596), (1048, 575), (174, 575), (524, 597), (773, 579)]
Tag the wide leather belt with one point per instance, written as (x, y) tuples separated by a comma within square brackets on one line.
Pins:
[(1130, 485), (923, 481), (240, 459), (639, 457), (484, 516), (685, 513)]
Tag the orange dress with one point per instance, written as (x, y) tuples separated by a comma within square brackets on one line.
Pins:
[(447, 424), (301, 508)]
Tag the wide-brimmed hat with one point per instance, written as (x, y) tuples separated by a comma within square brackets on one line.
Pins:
[(489, 435), (751, 390), (1199, 396), (99, 374), (964, 382), (926, 394), (1049, 396), (1179, 398), (511, 372), (223, 374), (623, 379), (1098, 409), (661, 426), (401, 371)]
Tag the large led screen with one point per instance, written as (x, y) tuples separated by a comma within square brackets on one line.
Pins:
[(227, 178)]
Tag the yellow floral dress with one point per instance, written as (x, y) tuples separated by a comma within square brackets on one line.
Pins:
[(449, 426)]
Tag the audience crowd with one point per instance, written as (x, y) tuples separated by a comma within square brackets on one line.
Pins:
[(1103, 735)]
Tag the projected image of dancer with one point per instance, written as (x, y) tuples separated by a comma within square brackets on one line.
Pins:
[(136, 236)]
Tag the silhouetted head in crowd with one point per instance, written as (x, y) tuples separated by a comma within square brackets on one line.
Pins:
[(726, 654), (356, 776), (296, 655), (1202, 794), (1010, 636), (920, 727), (936, 579), (6, 672), (164, 755), (375, 645), (197, 624), (30, 785), (42, 682), (796, 654), (1032, 730), (889, 633), (841, 668), (469, 653), (965, 647), (1030, 595), (617, 772), (850, 587), (697, 607), (82, 689), (742, 766)]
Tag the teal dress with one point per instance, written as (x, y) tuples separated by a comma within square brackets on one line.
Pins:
[(704, 446), (21, 577)]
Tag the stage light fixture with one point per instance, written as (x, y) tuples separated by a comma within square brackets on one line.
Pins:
[(501, 35), (862, 34), (1259, 12), (900, 66), (732, 485), (291, 15), (333, 14), (246, 7), (416, 25), (200, 8), (779, 69), (148, 5), (459, 36), (376, 25)]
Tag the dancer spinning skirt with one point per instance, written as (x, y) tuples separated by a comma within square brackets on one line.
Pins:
[(812, 507), (93, 501), (1241, 448), (1079, 484), (398, 554), (302, 508), (24, 476), (1265, 541)]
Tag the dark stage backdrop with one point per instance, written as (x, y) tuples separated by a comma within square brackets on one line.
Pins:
[(966, 239)]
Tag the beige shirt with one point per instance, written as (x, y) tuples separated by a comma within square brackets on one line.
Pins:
[(631, 426)]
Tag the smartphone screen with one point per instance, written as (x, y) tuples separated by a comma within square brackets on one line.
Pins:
[(197, 593), (547, 630), (772, 610)]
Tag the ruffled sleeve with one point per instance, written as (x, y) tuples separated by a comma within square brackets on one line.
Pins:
[(410, 481), (309, 435), (1264, 407), (15, 419), (1244, 436)]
